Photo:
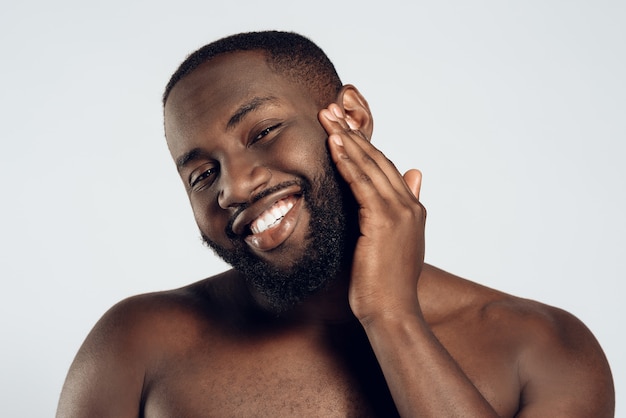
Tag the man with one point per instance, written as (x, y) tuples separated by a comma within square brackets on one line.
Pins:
[(330, 309)]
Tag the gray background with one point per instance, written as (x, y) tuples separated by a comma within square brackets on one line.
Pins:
[(514, 111)]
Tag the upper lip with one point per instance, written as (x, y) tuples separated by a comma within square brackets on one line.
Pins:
[(243, 218)]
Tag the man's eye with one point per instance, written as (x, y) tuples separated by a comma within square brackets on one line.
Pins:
[(201, 176), (265, 132)]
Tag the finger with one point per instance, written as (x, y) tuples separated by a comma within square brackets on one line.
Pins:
[(369, 184), (386, 165), (332, 120), (340, 128), (413, 179), (363, 153), (336, 122), (365, 178)]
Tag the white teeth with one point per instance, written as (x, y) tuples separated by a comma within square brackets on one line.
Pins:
[(276, 212), (271, 217), (259, 226)]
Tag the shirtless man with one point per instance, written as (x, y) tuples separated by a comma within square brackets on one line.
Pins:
[(330, 310)]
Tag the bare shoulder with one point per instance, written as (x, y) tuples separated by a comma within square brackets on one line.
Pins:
[(141, 320), (558, 363), (561, 364), (108, 374)]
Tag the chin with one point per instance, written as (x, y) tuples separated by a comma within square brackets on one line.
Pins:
[(330, 234)]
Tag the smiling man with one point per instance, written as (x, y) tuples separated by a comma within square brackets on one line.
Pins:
[(329, 309)]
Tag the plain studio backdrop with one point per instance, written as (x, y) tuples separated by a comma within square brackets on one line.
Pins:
[(514, 111)]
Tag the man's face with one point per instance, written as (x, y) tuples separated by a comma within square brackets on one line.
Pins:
[(252, 155)]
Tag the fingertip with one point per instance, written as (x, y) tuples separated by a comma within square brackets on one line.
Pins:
[(327, 114), (414, 172), (336, 139), (413, 179), (336, 110)]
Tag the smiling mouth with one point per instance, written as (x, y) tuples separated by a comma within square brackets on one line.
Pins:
[(272, 217)]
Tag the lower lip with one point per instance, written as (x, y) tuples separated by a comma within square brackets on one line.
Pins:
[(273, 237)]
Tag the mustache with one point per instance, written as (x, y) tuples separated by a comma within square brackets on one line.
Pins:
[(304, 186)]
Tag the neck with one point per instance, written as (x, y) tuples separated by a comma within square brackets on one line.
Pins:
[(327, 305)]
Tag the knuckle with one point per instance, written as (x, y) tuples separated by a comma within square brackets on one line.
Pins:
[(367, 159), (363, 178)]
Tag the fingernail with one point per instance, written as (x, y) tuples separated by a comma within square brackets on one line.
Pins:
[(330, 116), (337, 112), (337, 140)]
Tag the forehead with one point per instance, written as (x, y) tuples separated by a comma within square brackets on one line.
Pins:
[(217, 88)]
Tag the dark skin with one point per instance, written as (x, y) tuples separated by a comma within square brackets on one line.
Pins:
[(390, 335)]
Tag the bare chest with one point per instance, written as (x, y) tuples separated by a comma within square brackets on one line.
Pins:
[(282, 377), (303, 374)]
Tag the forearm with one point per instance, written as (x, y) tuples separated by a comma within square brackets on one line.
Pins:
[(423, 378), (388, 258)]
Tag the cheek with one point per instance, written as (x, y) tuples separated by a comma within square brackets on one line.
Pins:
[(313, 159), (306, 152), (210, 221)]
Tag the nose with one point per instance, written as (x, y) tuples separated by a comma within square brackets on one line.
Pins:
[(240, 180)]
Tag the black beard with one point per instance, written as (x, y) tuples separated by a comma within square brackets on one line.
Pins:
[(324, 254)]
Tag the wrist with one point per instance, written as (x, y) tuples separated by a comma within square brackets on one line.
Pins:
[(391, 317)]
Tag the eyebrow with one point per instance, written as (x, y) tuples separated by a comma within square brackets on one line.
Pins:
[(235, 119), (189, 156), (248, 107)]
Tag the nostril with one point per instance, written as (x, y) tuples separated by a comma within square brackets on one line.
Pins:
[(221, 200), (239, 187)]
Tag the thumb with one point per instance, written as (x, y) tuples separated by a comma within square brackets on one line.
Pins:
[(413, 179)]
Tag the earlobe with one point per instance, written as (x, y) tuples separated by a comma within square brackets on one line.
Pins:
[(356, 109)]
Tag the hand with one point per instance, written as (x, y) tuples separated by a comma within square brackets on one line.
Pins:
[(389, 252)]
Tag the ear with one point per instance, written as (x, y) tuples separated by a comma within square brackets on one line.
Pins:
[(356, 109)]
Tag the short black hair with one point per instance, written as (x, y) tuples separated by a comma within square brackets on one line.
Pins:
[(287, 53)]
